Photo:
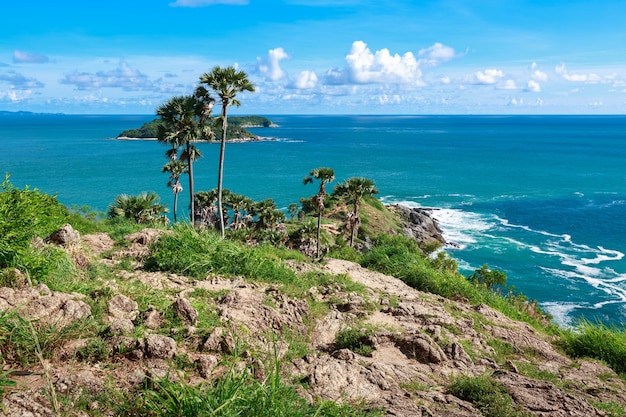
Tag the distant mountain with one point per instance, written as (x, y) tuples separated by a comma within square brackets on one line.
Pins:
[(26, 113)]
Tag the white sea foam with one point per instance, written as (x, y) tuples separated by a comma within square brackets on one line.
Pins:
[(561, 312), (461, 227)]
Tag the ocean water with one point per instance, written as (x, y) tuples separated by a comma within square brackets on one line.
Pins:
[(542, 198)]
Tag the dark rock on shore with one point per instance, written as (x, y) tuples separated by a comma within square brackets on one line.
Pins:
[(419, 224)]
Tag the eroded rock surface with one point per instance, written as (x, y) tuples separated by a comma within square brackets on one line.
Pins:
[(419, 343)]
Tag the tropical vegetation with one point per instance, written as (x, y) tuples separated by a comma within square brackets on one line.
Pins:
[(226, 82), (237, 128), (184, 120), (200, 253), (324, 175)]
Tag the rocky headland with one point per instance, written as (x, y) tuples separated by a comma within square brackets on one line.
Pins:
[(418, 342)]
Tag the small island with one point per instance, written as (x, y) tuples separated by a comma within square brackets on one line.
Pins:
[(237, 129)]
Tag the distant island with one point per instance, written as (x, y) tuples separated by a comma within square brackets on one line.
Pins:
[(237, 129)]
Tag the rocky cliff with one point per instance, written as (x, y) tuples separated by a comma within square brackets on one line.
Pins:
[(418, 343)]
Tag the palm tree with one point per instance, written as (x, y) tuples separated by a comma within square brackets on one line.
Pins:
[(142, 208), (354, 189), (175, 168), (183, 121), (324, 175), (226, 82), (240, 205)]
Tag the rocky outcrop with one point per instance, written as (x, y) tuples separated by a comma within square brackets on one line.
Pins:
[(40, 304), (419, 343), (419, 224)]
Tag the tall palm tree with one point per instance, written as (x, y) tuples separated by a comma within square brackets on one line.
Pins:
[(354, 189), (183, 121), (175, 168), (226, 82), (325, 176)]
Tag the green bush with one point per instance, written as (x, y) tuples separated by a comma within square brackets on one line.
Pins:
[(487, 395), (401, 257), (357, 340), (201, 253), (24, 215), (597, 341)]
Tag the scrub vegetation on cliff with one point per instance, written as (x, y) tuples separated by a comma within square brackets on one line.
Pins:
[(103, 317)]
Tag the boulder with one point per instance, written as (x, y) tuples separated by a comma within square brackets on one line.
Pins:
[(159, 347), (65, 236), (122, 307)]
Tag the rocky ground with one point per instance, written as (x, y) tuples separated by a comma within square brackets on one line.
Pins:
[(420, 343)]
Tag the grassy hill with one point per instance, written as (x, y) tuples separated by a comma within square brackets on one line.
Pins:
[(111, 317)]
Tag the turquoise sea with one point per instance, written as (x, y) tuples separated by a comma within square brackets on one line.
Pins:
[(542, 198)]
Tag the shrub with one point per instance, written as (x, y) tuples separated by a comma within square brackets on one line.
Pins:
[(24, 215), (357, 340), (200, 253), (142, 208), (486, 394), (597, 341)]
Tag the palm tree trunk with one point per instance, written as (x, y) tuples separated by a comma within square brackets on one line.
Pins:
[(175, 205), (220, 211), (319, 229), (191, 201), (355, 226)]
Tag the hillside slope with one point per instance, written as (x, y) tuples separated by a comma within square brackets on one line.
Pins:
[(354, 336)]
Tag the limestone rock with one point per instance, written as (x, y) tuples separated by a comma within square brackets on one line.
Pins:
[(39, 303), (65, 236), (160, 347), (122, 307), (121, 327), (419, 224), (420, 347), (152, 319), (183, 309)]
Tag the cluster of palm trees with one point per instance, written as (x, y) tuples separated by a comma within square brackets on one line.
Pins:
[(246, 213), (187, 119), (184, 120), (352, 190)]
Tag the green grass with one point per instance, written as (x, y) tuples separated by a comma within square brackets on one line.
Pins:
[(200, 254), (234, 394), (355, 339), (487, 395), (18, 337), (596, 341)]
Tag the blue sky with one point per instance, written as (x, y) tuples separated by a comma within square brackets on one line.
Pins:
[(318, 56)]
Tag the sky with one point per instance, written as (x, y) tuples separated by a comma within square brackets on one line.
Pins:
[(318, 56)]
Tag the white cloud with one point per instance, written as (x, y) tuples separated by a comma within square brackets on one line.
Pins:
[(445, 80), (124, 77), (509, 85), (533, 86), (585, 78), (436, 54), (20, 82), (364, 67), (270, 67), (489, 77), (516, 102), (202, 3), (537, 74), (29, 57), (305, 80), (14, 96)]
